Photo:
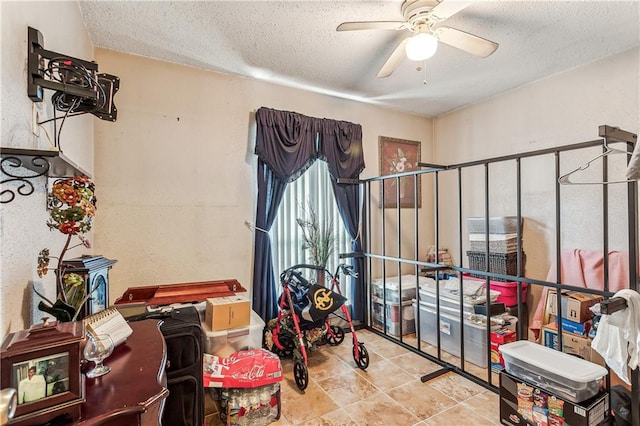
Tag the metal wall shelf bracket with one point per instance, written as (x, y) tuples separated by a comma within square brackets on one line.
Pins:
[(49, 163)]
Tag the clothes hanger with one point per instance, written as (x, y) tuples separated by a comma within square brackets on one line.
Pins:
[(564, 179)]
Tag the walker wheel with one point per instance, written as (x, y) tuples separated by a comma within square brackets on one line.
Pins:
[(288, 346), (301, 374), (361, 356), (336, 338)]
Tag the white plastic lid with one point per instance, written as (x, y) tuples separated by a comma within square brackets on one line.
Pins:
[(553, 361)]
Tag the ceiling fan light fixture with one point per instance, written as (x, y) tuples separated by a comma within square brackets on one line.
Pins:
[(421, 46)]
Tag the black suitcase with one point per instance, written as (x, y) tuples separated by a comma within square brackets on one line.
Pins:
[(184, 339)]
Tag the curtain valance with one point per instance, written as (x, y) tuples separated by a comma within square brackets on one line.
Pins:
[(288, 143)]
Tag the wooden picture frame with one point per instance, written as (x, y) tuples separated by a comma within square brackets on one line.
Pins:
[(53, 353), (399, 156)]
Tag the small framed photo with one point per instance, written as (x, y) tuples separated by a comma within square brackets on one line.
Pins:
[(43, 365), (399, 156)]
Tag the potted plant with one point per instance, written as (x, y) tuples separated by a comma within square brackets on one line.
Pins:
[(71, 204), (318, 239)]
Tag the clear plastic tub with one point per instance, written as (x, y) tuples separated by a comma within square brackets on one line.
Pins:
[(394, 291), (475, 336), (563, 375), (224, 342)]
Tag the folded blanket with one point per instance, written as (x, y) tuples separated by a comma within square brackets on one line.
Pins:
[(584, 268)]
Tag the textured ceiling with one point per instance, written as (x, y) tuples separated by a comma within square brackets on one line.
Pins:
[(295, 43)]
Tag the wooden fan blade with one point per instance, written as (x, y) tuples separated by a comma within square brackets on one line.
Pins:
[(446, 9), (394, 60), (371, 25), (470, 43)]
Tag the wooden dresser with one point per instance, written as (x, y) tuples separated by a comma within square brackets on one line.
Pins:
[(133, 393)]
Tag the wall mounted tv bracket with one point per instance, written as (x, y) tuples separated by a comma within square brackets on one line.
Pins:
[(94, 92)]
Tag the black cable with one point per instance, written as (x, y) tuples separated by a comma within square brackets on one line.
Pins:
[(67, 72), (63, 120)]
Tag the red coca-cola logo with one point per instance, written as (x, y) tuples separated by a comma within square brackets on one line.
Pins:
[(255, 372)]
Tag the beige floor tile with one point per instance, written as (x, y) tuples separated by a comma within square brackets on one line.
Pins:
[(486, 404), (421, 399), (415, 364), (380, 410), (456, 387), (299, 407), (348, 388), (322, 364), (386, 375), (388, 349), (335, 418), (458, 415)]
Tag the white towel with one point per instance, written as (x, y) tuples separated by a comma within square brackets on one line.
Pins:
[(618, 336), (633, 169)]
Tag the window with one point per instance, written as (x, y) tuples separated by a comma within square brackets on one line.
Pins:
[(313, 187)]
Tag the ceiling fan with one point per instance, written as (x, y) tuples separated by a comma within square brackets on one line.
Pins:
[(421, 17)]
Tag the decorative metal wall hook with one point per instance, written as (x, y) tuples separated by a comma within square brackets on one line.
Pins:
[(38, 164)]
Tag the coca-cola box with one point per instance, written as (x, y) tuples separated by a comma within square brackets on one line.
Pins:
[(242, 369), (247, 386)]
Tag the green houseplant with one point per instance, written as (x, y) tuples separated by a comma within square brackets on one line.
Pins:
[(71, 204)]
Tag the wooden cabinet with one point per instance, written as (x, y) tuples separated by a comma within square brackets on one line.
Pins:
[(133, 393)]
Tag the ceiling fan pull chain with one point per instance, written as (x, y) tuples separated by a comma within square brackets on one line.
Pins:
[(425, 82)]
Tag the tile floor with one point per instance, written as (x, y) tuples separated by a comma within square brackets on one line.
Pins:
[(389, 392)]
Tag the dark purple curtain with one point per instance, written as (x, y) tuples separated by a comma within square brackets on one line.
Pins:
[(270, 192), (341, 146), (286, 146)]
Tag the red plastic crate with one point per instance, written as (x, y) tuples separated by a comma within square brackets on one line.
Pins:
[(508, 290)]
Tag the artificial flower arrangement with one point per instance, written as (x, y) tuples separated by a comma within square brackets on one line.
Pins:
[(72, 204), (317, 239)]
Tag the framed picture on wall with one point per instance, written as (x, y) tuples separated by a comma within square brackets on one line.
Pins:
[(399, 156)]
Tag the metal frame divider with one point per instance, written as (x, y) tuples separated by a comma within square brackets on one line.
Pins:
[(609, 134)]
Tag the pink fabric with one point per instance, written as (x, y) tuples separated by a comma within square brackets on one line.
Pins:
[(584, 268)]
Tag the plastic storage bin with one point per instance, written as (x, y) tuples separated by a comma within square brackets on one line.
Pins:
[(475, 337), (508, 290), (563, 375), (225, 342), (499, 263), (394, 291), (497, 225), (498, 243), (428, 297), (393, 317)]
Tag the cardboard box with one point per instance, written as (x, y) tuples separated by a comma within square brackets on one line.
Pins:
[(573, 344), (500, 337), (522, 403), (574, 327), (223, 313), (575, 305)]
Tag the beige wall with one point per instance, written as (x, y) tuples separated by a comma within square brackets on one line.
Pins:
[(23, 222), (560, 110), (176, 172)]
